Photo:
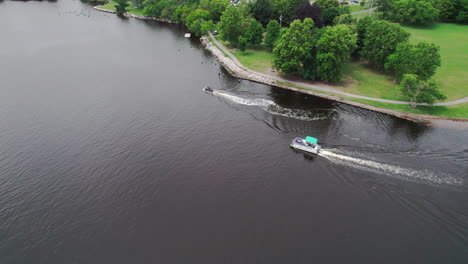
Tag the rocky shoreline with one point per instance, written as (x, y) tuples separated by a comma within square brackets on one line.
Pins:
[(244, 73)]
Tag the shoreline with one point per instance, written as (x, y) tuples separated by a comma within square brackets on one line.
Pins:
[(243, 73)]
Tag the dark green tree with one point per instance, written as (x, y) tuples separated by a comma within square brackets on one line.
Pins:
[(230, 26), (334, 49), (313, 11), (420, 91), (294, 46), (329, 15), (283, 10), (381, 40), (421, 59), (273, 32), (418, 12), (254, 33), (121, 7), (384, 6), (262, 11), (361, 28)]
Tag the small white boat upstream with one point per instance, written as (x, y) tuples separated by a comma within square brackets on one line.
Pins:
[(309, 145)]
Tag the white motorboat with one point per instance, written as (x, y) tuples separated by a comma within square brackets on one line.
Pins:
[(309, 145)]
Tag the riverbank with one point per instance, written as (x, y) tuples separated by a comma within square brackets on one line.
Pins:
[(235, 68)]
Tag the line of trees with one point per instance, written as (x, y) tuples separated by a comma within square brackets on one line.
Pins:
[(424, 12), (313, 41)]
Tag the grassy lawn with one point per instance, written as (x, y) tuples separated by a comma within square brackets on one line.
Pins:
[(133, 10), (360, 79), (452, 39), (454, 111), (356, 8), (257, 60)]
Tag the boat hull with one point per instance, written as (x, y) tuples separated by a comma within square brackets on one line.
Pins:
[(303, 147)]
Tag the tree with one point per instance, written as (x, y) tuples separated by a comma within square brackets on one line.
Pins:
[(361, 28), (230, 26), (420, 91), (283, 10), (346, 19), (327, 3), (448, 9), (273, 32), (294, 46), (381, 40), (254, 33), (215, 7), (333, 50), (241, 43), (421, 59), (419, 12), (329, 15), (313, 11), (120, 7), (383, 6), (262, 11), (462, 16), (196, 19)]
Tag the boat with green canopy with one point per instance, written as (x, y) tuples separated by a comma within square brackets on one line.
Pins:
[(309, 144)]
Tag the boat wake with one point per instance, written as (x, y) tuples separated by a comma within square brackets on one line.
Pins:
[(272, 107), (392, 170)]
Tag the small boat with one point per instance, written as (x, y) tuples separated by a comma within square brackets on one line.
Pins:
[(309, 144), (208, 89)]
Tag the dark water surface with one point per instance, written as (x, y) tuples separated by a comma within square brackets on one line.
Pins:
[(111, 153)]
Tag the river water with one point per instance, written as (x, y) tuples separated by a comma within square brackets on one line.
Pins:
[(110, 152)]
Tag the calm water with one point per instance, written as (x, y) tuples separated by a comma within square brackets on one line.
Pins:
[(110, 152)]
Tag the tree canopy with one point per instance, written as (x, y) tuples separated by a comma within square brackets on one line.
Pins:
[(333, 49), (262, 11), (421, 59), (293, 47), (419, 12), (313, 11), (254, 33), (230, 26), (272, 34), (380, 41), (420, 91)]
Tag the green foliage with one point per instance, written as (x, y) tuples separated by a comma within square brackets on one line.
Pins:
[(262, 11), (284, 9), (241, 43), (362, 3), (329, 15), (181, 13), (380, 41), (294, 46), (420, 91), (462, 16), (254, 33), (327, 3), (120, 7), (215, 7), (421, 59), (155, 7), (419, 12), (196, 19), (346, 19), (384, 6), (230, 27), (273, 32), (361, 28), (333, 50)]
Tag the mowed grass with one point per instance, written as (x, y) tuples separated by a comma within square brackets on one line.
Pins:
[(453, 42), (451, 111), (257, 60), (361, 79), (356, 8), (130, 8)]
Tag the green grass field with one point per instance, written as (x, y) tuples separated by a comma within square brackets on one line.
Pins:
[(357, 8), (452, 39), (111, 6), (257, 60)]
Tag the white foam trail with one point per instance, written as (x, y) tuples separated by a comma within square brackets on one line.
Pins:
[(409, 174), (271, 107)]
